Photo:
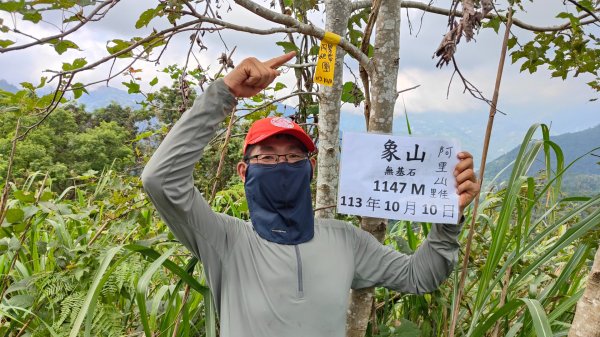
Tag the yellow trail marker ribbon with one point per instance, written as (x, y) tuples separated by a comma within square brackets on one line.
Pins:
[(326, 61)]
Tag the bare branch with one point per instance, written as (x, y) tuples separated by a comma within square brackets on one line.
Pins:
[(204, 18), (225, 64), (446, 12), (303, 28), (160, 34), (300, 65), (11, 158), (364, 47), (253, 110), (408, 89), (90, 17), (578, 5), (58, 95)]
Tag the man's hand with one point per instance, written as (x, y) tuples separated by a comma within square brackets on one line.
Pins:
[(466, 182), (251, 75)]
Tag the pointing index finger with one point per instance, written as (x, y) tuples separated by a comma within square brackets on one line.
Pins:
[(278, 61)]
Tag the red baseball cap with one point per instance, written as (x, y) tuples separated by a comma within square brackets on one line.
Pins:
[(267, 127)]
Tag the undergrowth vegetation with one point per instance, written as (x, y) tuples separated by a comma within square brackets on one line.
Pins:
[(97, 260)]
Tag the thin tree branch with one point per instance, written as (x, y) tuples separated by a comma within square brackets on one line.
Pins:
[(578, 5), (58, 95), (364, 47), (486, 142), (186, 295), (408, 89), (233, 26), (224, 148), (469, 87), (11, 159), (224, 65), (303, 28), (124, 51), (300, 65), (88, 18), (253, 110), (446, 12), (324, 207)]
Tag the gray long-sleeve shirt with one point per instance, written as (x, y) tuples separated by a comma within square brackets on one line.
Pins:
[(265, 289)]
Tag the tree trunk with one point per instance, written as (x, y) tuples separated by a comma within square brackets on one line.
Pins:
[(383, 98), (586, 322), (338, 13)]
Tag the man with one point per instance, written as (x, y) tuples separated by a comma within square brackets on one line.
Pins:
[(285, 273)]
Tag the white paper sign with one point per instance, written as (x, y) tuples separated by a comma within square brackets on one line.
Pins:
[(395, 177)]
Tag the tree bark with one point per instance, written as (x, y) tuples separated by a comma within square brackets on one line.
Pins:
[(586, 322), (338, 13), (384, 76)]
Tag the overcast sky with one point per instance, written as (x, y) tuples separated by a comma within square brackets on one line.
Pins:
[(525, 98)]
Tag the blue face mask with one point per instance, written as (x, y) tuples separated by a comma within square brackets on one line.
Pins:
[(280, 202)]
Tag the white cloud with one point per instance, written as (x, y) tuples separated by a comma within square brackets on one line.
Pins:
[(537, 94)]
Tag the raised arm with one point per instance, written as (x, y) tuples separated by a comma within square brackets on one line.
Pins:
[(168, 180)]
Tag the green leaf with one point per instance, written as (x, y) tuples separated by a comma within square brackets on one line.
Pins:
[(88, 306), (174, 268), (132, 87), (6, 43), (21, 301), (78, 90), (118, 46), (352, 94), (61, 46), (142, 288), (586, 4), (46, 100), (493, 23), (154, 81), (14, 244), (145, 18), (42, 82), (538, 315), (287, 46), (511, 42), (279, 86), (47, 195), (564, 15), (503, 311), (33, 16), (407, 329), (314, 50), (27, 197), (12, 6), (14, 215), (78, 63), (27, 85)]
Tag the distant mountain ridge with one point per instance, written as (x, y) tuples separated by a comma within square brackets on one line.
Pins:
[(102, 96), (582, 177), (7, 86), (97, 98)]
